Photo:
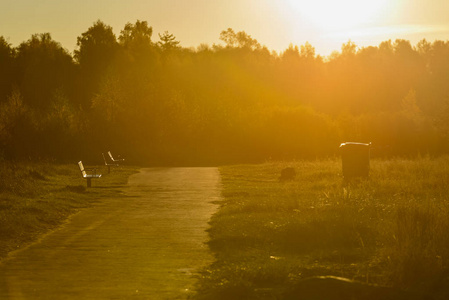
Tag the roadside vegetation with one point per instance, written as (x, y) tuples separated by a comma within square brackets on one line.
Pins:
[(159, 103), (36, 198), (388, 230)]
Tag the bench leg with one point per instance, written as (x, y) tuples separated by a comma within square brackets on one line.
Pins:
[(89, 182), (109, 169)]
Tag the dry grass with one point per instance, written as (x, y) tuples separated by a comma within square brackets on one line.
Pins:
[(37, 197), (389, 230)]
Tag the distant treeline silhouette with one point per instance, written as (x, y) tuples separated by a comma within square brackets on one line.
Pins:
[(160, 103)]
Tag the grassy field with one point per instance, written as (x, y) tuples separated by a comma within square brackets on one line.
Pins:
[(269, 235), (389, 230), (38, 197)]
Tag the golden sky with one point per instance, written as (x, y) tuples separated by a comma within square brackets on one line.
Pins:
[(326, 24)]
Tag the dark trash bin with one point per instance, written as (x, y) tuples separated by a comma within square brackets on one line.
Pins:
[(355, 159)]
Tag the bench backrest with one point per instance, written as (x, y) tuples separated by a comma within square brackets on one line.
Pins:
[(83, 172), (110, 155)]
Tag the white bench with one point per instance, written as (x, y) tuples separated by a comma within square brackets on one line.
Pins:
[(86, 176), (115, 160), (108, 164)]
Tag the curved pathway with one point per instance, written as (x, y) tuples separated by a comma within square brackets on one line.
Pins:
[(146, 245)]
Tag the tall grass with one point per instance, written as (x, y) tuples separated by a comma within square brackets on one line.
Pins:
[(390, 229)]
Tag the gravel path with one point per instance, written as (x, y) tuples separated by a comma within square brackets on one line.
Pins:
[(147, 245)]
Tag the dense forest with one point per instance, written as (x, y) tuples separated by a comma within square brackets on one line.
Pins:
[(158, 103)]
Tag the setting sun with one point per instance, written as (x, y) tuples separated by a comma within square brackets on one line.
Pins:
[(337, 15)]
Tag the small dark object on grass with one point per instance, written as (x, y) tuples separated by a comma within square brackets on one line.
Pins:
[(76, 188), (287, 174), (36, 175)]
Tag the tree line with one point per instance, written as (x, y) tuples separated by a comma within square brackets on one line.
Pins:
[(156, 102)]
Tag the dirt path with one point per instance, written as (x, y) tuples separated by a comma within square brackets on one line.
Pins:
[(147, 245)]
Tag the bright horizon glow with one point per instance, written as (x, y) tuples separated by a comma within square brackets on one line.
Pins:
[(337, 15), (325, 24)]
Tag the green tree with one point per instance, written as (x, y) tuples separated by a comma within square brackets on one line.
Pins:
[(17, 129), (168, 42), (7, 70), (229, 37), (43, 67), (423, 47), (308, 51), (136, 35), (246, 41), (240, 39), (97, 48), (138, 55), (386, 47), (291, 53), (349, 49)]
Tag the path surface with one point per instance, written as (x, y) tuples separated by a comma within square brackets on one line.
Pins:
[(147, 245)]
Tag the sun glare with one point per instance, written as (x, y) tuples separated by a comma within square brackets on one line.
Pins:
[(338, 15)]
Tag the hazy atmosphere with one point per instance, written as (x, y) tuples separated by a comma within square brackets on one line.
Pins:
[(323, 23), (215, 150)]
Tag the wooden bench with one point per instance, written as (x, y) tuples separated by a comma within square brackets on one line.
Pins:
[(115, 160), (86, 176), (108, 164)]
